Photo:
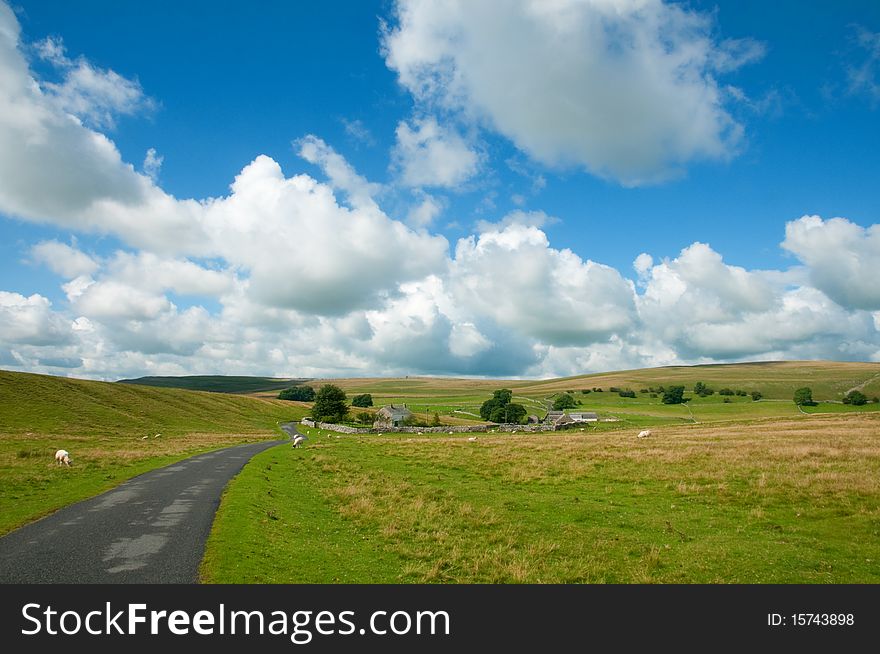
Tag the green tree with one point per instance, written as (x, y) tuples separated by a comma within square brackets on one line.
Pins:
[(330, 404), (504, 395), (365, 417), (362, 400), (856, 398), (564, 401), (627, 393), (756, 395), (673, 395), (488, 407), (804, 397), (298, 393)]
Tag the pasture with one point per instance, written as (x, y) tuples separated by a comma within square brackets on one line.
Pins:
[(771, 500)]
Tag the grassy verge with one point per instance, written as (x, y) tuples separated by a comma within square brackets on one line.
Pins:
[(769, 501)]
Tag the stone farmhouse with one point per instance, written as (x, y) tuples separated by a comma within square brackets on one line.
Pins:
[(391, 416)]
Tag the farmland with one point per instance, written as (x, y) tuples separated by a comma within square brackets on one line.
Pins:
[(726, 490)]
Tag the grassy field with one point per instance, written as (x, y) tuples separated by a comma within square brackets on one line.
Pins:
[(772, 500), (216, 383), (113, 432)]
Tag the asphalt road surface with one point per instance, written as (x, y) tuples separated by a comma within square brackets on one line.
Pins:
[(150, 529)]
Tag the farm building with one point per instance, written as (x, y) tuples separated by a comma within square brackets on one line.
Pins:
[(562, 419), (558, 418), (391, 416)]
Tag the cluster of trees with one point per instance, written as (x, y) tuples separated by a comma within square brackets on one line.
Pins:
[(674, 395), (298, 394), (856, 398), (501, 409), (364, 400)]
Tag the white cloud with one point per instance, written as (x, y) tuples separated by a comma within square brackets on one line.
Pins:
[(93, 95), (537, 219), (864, 76), (426, 211), (430, 155), (842, 257), (705, 310), (152, 164), (30, 320), (359, 132), (339, 171), (623, 88), (514, 277), (63, 259)]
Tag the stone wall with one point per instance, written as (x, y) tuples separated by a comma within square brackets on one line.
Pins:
[(444, 429)]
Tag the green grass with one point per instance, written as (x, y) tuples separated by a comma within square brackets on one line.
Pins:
[(113, 433), (792, 500), (216, 383)]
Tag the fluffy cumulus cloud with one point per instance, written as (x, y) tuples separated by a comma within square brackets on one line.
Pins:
[(31, 321), (696, 307), (843, 258), (63, 259), (624, 88), (94, 95), (430, 155), (513, 276)]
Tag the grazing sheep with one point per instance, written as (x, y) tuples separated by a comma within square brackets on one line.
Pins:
[(645, 433), (298, 440), (62, 457), (472, 439)]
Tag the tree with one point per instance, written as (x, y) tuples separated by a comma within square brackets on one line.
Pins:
[(504, 395), (488, 407), (435, 420), (362, 400), (804, 397), (627, 393), (726, 391), (298, 393), (564, 401), (856, 398), (365, 417), (702, 390), (673, 395), (330, 404), (756, 395)]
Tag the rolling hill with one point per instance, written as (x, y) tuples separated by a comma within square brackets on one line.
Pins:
[(216, 383), (113, 432)]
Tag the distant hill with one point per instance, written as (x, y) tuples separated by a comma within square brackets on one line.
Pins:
[(216, 383), (775, 379)]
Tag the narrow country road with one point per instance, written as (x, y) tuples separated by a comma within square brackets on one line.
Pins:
[(150, 529)]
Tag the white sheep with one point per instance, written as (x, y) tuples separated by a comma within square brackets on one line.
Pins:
[(472, 439), (644, 433), (63, 457), (298, 440)]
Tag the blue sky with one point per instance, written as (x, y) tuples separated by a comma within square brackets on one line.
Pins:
[(514, 159)]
